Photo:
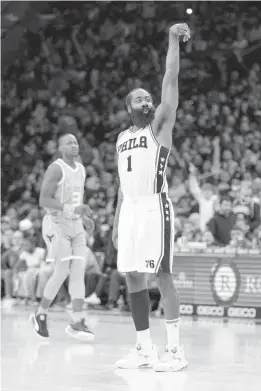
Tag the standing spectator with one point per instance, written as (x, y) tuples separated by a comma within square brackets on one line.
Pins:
[(206, 199), (223, 221)]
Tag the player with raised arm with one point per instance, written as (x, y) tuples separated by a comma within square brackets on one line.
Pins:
[(144, 220), (62, 198)]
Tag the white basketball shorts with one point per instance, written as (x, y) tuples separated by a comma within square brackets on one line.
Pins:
[(64, 238), (146, 234)]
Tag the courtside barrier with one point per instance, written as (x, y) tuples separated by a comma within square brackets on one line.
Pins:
[(219, 283)]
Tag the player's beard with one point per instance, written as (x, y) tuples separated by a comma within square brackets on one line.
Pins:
[(141, 119)]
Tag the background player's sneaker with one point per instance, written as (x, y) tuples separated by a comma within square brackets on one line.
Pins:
[(80, 331), (172, 361), (138, 358), (93, 299), (39, 323)]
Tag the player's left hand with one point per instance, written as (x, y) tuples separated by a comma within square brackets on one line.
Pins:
[(89, 224), (181, 29)]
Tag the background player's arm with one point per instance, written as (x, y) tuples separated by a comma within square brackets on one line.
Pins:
[(166, 112), (116, 219), (49, 186)]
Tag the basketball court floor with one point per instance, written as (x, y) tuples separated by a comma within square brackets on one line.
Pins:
[(223, 356)]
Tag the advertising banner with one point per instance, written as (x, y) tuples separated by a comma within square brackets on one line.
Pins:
[(219, 284)]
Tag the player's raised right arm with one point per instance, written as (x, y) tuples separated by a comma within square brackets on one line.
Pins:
[(165, 115), (49, 186)]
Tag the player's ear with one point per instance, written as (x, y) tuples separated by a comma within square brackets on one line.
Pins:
[(129, 109)]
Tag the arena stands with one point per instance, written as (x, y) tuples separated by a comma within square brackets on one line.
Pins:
[(76, 81)]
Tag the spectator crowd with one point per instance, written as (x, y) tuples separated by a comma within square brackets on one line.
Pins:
[(74, 77)]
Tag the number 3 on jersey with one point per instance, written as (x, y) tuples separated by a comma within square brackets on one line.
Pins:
[(129, 164)]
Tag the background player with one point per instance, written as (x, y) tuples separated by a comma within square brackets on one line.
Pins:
[(144, 220), (62, 196)]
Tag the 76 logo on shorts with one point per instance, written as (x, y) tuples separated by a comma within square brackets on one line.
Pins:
[(150, 263)]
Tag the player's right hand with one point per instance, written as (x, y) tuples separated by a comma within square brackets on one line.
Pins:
[(89, 224), (181, 29), (83, 209)]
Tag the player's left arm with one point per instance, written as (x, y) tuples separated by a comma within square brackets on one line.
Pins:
[(165, 115)]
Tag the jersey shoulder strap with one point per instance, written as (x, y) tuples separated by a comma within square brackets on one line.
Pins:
[(81, 167), (119, 137)]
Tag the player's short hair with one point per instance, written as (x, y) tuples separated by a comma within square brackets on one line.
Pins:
[(129, 96), (62, 136)]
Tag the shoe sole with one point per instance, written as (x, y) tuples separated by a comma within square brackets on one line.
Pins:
[(171, 370), (80, 336), (135, 367), (33, 322), (144, 366)]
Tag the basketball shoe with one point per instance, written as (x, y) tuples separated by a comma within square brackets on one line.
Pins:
[(39, 323), (172, 361), (80, 331), (138, 358), (93, 299)]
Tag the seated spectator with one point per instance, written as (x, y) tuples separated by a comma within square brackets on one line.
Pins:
[(6, 239), (247, 208), (27, 270), (238, 238), (117, 280), (208, 238), (256, 240), (8, 261), (186, 234), (93, 279), (154, 292), (223, 221)]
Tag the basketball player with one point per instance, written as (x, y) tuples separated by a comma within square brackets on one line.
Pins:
[(144, 221), (62, 197)]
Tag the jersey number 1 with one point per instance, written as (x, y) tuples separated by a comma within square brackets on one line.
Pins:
[(129, 164)]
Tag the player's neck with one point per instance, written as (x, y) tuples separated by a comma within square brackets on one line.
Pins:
[(137, 126), (70, 161)]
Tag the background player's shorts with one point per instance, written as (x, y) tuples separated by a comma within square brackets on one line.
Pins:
[(64, 238), (146, 235)]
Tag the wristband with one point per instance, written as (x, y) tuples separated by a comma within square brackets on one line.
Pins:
[(68, 209)]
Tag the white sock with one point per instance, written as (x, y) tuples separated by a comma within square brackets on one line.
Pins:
[(143, 338), (78, 316), (172, 327)]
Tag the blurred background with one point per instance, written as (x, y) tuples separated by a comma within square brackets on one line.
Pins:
[(67, 67)]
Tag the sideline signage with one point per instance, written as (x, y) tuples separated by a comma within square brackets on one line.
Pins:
[(219, 284)]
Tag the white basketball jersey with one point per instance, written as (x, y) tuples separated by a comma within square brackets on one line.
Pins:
[(142, 163), (70, 188)]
